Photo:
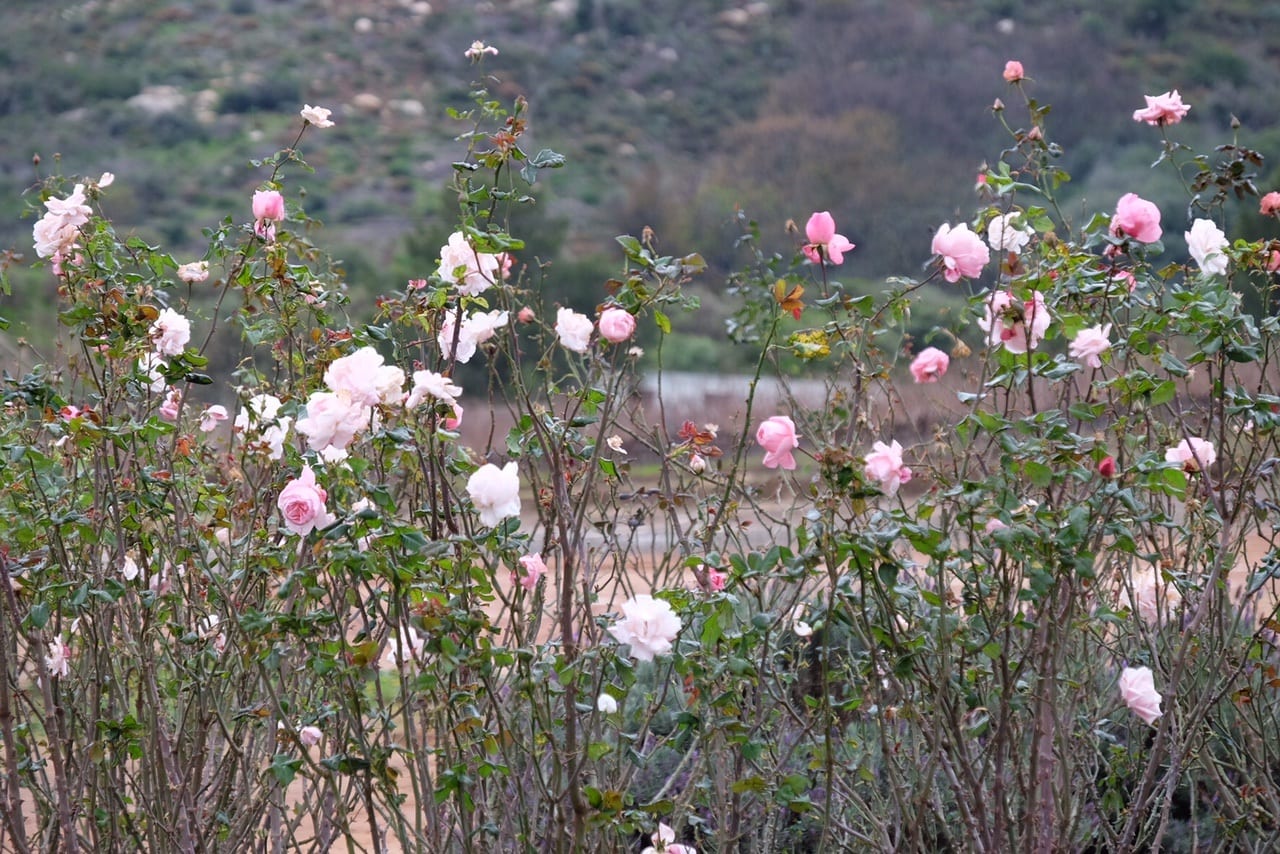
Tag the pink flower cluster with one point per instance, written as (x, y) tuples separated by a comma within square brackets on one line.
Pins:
[(356, 382), (1016, 325), (460, 264), (56, 232)]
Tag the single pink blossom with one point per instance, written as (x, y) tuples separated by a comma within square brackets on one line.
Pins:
[(993, 525), (1107, 467), (1013, 71), (963, 252), (534, 568), (649, 626), (1270, 204), (526, 315), (1166, 109), (429, 384), (310, 735), (59, 658), (884, 465), (777, 435), (172, 405), (716, 579), (616, 325), (453, 422), (210, 417), (1089, 344), (332, 419), (317, 116), (57, 231), (478, 50), (1018, 326), (194, 273), (1193, 454), (495, 492), (360, 375), (573, 329), (1138, 688), (268, 209), (824, 243), (170, 333), (929, 365), (301, 503), (460, 264), (1137, 218)]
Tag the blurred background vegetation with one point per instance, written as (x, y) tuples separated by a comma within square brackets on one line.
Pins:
[(672, 113)]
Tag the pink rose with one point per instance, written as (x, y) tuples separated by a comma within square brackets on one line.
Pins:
[(1089, 344), (1017, 326), (1138, 688), (929, 365), (317, 116), (57, 231), (358, 375), (172, 405), (648, 625), (310, 735), (194, 273), (429, 384), (716, 579), (332, 420), (823, 240), (301, 503), (210, 417), (534, 568), (1137, 218), (963, 252), (777, 435), (1270, 204), (616, 325), (526, 315), (59, 658), (473, 272), (1013, 71), (1166, 109), (268, 209), (454, 421), (495, 492), (1192, 454), (884, 465), (170, 333), (573, 329), (1107, 468)]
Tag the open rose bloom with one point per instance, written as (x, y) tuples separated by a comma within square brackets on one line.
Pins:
[(648, 625)]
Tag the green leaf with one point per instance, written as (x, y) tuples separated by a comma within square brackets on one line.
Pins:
[(1038, 473), (664, 322)]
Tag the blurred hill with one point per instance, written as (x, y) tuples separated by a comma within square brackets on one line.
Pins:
[(671, 112)]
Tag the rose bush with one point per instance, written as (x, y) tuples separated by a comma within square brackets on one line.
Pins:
[(592, 624)]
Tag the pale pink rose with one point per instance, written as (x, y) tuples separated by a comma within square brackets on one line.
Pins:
[(460, 264), (716, 579), (357, 374), (476, 329), (884, 465), (534, 569), (310, 736), (1206, 242), (505, 262), (59, 658), (57, 231), (194, 273), (1273, 261), (170, 333), (1126, 276), (495, 492), (616, 325), (172, 405), (606, 704), (1192, 454), (332, 419), (1270, 204), (1138, 688), (317, 116), (573, 330), (1152, 598), (429, 384), (929, 365), (268, 205), (388, 381), (1089, 344), (526, 315), (824, 243), (698, 463), (106, 180), (1166, 109), (1004, 236), (478, 50), (664, 842), (648, 625), (777, 435), (259, 410), (210, 417), (1137, 218), (455, 421), (963, 252), (1018, 326), (1013, 71), (993, 525), (406, 649), (301, 503), (151, 364)]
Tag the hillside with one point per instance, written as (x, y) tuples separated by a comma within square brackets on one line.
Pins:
[(671, 113)]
